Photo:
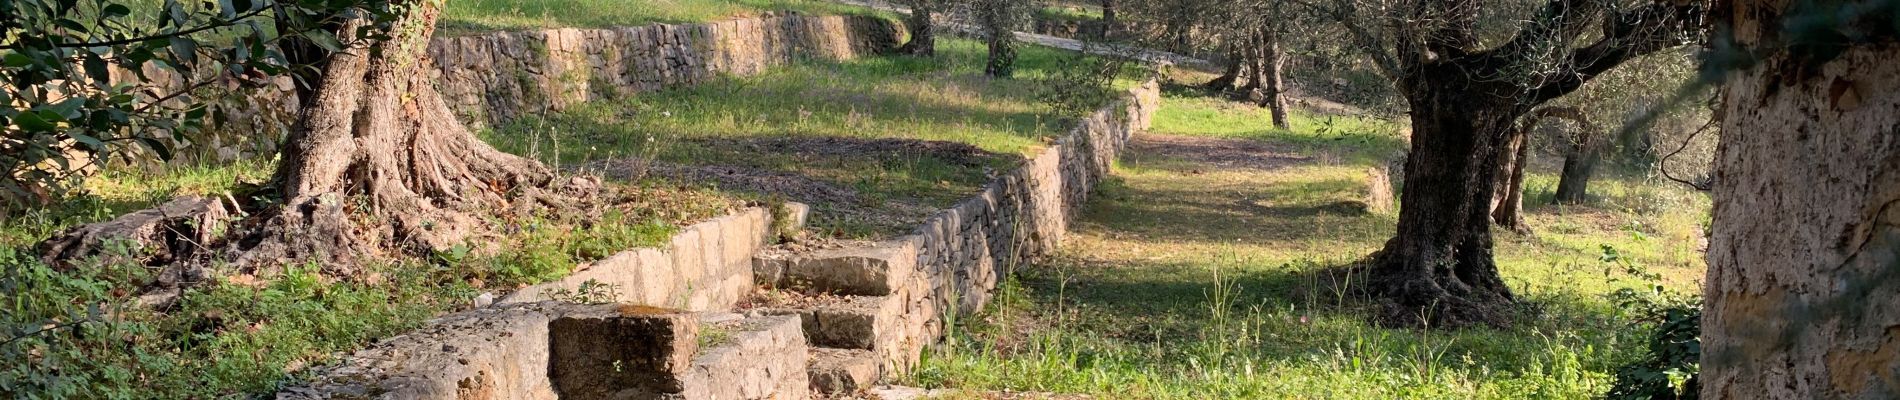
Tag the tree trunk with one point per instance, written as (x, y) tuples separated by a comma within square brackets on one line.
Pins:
[(1803, 292), (1109, 19), (1273, 90), (376, 166), (1507, 204), (1580, 163), (923, 35), (1254, 70), (1002, 58), (1438, 271), (377, 162), (1227, 77)]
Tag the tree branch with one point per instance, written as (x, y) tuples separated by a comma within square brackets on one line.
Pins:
[(119, 42), (1631, 34), (1343, 13)]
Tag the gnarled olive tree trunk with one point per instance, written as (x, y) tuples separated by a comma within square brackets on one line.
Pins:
[(1580, 164), (1438, 269), (376, 166), (1507, 199), (1229, 74), (378, 162), (1803, 292), (1273, 87), (923, 29)]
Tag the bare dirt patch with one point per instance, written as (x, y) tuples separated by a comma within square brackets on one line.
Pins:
[(1218, 152), (962, 154)]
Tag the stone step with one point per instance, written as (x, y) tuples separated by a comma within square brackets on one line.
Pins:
[(761, 357), (893, 328), (642, 353), (841, 372), (864, 271)]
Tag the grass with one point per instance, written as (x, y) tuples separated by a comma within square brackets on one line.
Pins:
[(80, 333), (1185, 281), (242, 334), (472, 16), (742, 121)]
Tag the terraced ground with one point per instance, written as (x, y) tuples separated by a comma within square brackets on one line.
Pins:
[(1197, 275), (850, 130)]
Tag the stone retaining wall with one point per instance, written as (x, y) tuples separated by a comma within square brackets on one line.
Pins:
[(888, 303), (890, 299), (705, 267), (493, 78)]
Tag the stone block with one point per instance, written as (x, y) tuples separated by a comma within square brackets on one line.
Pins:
[(770, 271), (871, 271), (622, 352), (763, 357), (842, 371)]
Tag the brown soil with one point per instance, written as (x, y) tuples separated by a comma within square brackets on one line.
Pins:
[(1217, 152)]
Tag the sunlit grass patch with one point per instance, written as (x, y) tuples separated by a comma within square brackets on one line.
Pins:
[(1187, 281), (763, 121)]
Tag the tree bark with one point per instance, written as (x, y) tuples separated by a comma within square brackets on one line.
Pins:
[(1507, 204), (1580, 163), (1438, 271), (923, 35), (378, 163), (376, 166), (1803, 292), (1273, 90), (1109, 19), (1227, 77), (1002, 56), (1251, 53)]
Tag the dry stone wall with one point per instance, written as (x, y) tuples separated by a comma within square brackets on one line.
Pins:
[(891, 303), (704, 267), (891, 299), (494, 78)]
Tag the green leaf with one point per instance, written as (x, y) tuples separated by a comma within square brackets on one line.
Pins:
[(177, 12), (14, 59), (96, 69), (324, 39), (93, 144), (71, 24), (33, 122), (116, 10), (164, 153), (185, 48), (68, 109)]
